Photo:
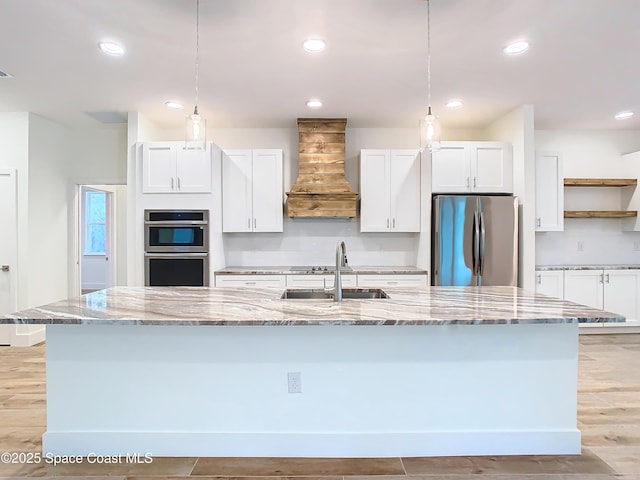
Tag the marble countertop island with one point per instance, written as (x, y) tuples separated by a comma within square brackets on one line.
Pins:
[(181, 371), (241, 306)]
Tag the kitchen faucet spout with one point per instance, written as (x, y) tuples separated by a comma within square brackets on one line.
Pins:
[(341, 261)]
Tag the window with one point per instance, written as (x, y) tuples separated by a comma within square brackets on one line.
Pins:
[(95, 223)]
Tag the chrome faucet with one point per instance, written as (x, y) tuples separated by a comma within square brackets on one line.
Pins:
[(341, 261)]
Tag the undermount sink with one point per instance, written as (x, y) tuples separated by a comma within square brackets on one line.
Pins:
[(320, 294)]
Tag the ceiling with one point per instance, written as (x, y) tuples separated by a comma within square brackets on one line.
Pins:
[(581, 69)]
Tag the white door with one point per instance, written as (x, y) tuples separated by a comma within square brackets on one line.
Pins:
[(159, 167), (97, 243), (549, 193), (450, 168), (375, 213), (237, 215), (405, 190), (267, 188), (621, 289), (550, 282), (491, 168), (8, 251), (585, 287)]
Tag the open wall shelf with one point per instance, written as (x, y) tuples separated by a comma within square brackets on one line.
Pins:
[(600, 182)]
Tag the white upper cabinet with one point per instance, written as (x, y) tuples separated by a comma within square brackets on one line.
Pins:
[(389, 191), (167, 167), (549, 193), (252, 191), (472, 167)]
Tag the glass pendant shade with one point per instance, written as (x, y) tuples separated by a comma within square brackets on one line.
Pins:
[(430, 132), (196, 131)]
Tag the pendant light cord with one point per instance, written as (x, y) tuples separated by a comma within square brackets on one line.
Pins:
[(197, 49), (428, 57)]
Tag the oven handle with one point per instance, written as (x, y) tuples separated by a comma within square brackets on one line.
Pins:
[(175, 223), (175, 255)]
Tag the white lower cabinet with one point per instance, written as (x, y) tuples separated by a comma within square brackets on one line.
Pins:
[(615, 291), (380, 281), (550, 282), (319, 281), (253, 281)]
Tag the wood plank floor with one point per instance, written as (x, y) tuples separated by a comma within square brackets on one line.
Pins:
[(608, 411)]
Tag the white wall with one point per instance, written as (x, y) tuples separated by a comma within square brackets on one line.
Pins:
[(516, 127), (590, 154)]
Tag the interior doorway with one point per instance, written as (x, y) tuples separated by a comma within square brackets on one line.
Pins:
[(8, 251), (98, 236)]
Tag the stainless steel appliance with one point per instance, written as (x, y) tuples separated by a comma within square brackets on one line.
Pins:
[(176, 230), (474, 240), (176, 248)]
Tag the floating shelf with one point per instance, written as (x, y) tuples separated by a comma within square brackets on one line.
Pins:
[(600, 214), (600, 182)]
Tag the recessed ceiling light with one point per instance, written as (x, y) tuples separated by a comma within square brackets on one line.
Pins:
[(111, 48), (516, 48), (454, 103), (314, 45), (314, 103), (175, 105), (624, 115)]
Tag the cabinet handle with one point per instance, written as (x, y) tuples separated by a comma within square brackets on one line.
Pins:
[(392, 283), (467, 182), (394, 223), (538, 222), (178, 183), (607, 278), (539, 279), (249, 283), (254, 223), (387, 223), (171, 183), (475, 182), (248, 223), (601, 278)]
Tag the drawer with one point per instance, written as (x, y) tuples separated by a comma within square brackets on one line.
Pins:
[(318, 281), (253, 281), (413, 281)]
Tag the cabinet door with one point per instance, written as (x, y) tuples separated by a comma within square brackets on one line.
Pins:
[(450, 171), (550, 282), (549, 193), (159, 167), (491, 168), (267, 191), (193, 170), (621, 288), (374, 191), (584, 287), (405, 190), (237, 215)]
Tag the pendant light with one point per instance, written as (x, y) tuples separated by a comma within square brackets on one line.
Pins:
[(430, 125), (196, 125)]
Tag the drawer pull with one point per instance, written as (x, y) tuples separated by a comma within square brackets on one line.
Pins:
[(392, 283), (249, 283)]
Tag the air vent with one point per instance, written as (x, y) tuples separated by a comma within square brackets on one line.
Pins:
[(5, 75)]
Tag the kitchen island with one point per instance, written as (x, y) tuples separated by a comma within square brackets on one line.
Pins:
[(204, 372)]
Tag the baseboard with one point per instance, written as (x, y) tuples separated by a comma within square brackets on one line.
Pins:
[(28, 339), (327, 445)]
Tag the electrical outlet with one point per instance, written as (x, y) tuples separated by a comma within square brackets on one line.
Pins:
[(580, 246), (294, 382)]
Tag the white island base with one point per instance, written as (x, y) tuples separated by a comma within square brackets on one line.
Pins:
[(367, 391)]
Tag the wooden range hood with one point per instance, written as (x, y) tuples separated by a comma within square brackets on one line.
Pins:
[(321, 189)]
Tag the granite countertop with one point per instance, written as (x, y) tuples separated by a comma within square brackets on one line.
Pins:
[(319, 270), (241, 306), (586, 267)]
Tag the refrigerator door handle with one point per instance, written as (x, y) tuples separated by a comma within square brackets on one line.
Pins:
[(475, 257), (482, 245)]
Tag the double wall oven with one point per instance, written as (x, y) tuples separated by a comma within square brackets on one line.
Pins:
[(176, 246)]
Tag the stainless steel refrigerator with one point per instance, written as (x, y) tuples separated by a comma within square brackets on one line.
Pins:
[(474, 240)]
